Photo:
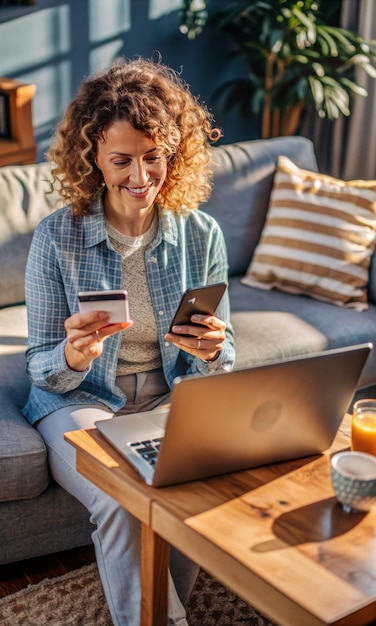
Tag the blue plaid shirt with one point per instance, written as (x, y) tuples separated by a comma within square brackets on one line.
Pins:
[(69, 255)]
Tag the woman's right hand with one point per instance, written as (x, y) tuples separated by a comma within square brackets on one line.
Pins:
[(86, 333)]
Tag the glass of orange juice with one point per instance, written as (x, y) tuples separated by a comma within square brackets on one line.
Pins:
[(363, 429)]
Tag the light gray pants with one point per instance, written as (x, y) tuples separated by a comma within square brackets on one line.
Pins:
[(117, 534)]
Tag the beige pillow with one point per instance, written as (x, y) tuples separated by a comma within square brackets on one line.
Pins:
[(318, 237)]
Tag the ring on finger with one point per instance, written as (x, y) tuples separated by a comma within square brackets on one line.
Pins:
[(198, 344)]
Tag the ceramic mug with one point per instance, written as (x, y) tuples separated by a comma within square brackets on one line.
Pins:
[(353, 476)]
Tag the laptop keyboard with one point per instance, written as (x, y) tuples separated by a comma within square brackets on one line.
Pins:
[(147, 449)]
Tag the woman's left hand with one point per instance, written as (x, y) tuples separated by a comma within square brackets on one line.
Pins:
[(203, 338)]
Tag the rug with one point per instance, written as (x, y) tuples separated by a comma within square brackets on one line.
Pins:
[(76, 599)]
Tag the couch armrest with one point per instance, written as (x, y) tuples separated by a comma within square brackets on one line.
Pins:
[(23, 456)]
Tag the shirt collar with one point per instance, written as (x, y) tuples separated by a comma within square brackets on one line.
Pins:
[(96, 232), (167, 226), (94, 224)]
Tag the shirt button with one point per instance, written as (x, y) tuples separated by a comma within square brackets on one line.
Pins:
[(153, 259), (166, 343), (160, 312)]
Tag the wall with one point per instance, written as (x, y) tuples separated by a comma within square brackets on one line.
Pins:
[(54, 44)]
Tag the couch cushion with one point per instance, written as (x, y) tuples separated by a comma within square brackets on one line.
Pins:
[(262, 336), (23, 456), (318, 238), (273, 326), (23, 203), (243, 179)]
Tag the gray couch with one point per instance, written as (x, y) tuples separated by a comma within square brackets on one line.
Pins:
[(37, 516)]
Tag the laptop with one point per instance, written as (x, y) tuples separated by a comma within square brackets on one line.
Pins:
[(230, 421)]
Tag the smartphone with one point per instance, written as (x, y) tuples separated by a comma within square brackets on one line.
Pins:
[(203, 300), (115, 302)]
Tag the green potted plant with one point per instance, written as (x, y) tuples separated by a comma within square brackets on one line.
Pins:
[(293, 56)]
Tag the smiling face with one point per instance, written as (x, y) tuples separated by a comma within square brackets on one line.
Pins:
[(134, 170)]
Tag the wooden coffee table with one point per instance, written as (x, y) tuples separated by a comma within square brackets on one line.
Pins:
[(276, 535)]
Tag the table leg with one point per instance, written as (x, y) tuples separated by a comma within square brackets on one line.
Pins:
[(154, 578)]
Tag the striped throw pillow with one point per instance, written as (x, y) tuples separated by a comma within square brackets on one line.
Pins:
[(318, 238)]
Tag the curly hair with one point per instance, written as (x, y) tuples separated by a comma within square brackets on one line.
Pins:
[(155, 100)]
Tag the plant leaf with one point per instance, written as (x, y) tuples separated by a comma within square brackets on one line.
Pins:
[(330, 41), (341, 35), (357, 89), (370, 70), (317, 90), (307, 22)]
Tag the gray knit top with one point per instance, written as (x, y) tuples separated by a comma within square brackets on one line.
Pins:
[(139, 350)]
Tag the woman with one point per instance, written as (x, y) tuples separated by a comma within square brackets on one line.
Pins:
[(130, 160)]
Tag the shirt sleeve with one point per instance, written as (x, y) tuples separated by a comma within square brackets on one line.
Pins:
[(47, 310), (218, 272)]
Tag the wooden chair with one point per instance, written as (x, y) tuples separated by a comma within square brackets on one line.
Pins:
[(17, 141)]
